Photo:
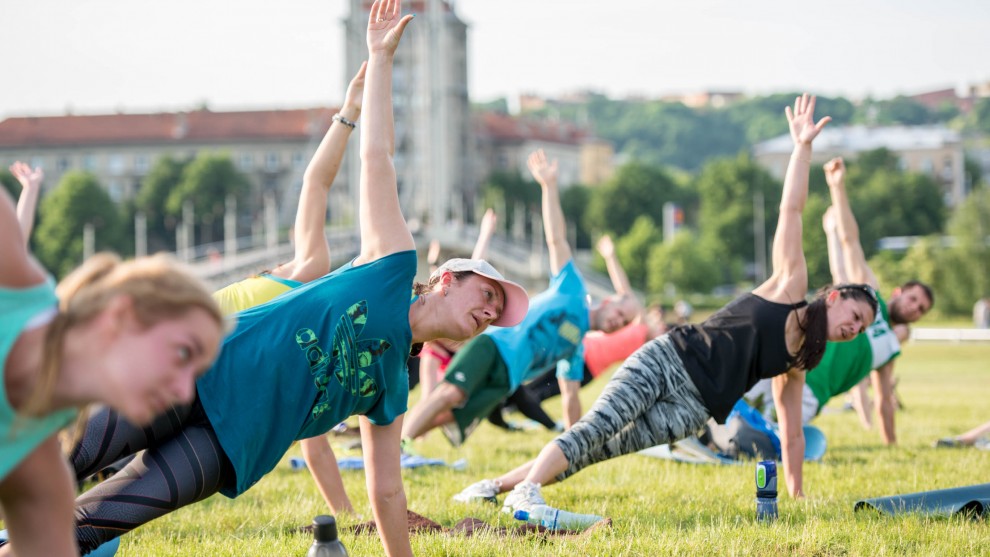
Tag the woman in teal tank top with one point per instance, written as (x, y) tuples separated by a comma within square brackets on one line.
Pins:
[(298, 365), (132, 336)]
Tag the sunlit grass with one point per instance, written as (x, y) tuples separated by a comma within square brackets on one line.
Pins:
[(658, 507)]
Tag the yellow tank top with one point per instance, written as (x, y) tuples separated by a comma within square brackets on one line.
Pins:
[(251, 292)]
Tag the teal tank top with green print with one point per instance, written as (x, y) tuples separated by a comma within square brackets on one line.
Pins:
[(19, 435), (302, 363)]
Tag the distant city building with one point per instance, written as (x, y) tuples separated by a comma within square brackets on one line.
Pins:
[(706, 99), (934, 100), (433, 157), (933, 150), (505, 142), (270, 147)]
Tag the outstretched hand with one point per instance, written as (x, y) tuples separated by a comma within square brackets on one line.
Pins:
[(355, 90), (29, 178), (385, 26), (544, 172), (835, 172), (488, 222), (802, 120), (605, 246)]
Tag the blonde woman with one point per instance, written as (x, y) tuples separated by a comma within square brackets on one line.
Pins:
[(133, 336)]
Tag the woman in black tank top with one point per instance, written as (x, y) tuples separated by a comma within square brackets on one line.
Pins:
[(670, 387)]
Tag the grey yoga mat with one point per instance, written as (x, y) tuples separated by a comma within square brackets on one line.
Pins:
[(974, 499)]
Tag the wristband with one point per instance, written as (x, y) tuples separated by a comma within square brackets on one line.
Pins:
[(338, 118)]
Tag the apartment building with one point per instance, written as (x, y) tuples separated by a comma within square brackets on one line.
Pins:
[(933, 150)]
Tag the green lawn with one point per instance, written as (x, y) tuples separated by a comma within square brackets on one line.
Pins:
[(658, 507)]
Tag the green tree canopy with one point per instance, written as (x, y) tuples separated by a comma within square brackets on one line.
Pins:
[(728, 191), (635, 190), (161, 181), (207, 181), (574, 201), (633, 250), (894, 203), (78, 199), (680, 264)]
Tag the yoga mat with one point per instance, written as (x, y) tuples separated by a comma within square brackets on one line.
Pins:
[(973, 499)]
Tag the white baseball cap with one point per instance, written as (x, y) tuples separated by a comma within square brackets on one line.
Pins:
[(516, 302)]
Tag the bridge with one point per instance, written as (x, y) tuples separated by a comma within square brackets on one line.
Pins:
[(522, 261)]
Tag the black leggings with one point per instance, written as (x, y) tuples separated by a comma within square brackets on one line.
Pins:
[(528, 397), (182, 463)]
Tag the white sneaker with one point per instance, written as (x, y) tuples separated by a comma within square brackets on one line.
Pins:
[(485, 490), (524, 497)]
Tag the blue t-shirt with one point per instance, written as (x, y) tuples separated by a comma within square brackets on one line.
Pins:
[(21, 435), (302, 363), (551, 333)]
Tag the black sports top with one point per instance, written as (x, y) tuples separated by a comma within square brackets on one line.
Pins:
[(734, 348)]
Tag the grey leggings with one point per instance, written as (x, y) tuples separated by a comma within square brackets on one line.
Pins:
[(649, 401)]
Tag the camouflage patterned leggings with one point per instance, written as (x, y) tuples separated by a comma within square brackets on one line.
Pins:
[(649, 401)]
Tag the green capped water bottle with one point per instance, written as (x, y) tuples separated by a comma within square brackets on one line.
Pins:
[(325, 542), (766, 491)]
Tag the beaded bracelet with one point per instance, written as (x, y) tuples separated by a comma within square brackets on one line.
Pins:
[(338, 118)]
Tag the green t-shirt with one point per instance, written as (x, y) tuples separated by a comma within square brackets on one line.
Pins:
[(846, 363)]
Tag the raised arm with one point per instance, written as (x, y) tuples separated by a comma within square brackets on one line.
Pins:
[(847, 231), (620, 281), (383, 228), (30, 180), (787, 389), (312, 253), (19, 268), (836, 261), (488, 222), (789, 281), (545, 173)]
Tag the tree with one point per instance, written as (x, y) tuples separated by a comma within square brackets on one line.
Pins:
[(506, 189), (633, 250), (10, 184), (969, 256), (77, 200), (979, 118), (682, 265), (636, 189), (895, 203), (207, 181), (574, 201), (727, 190), (156, 187)]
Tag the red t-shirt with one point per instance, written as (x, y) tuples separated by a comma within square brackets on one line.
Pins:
[(602, 350)]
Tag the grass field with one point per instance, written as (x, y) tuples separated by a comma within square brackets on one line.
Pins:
[(658, 507)]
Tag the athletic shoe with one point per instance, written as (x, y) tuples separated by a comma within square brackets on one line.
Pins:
[(524, 497), (485, 490), (948, 442), (452, 433), (406, 447), (982, 443)]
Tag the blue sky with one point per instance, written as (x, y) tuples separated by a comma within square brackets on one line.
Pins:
[(100, 55)]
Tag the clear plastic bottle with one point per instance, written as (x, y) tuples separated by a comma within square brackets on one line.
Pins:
[(325, 542), (556, 519)]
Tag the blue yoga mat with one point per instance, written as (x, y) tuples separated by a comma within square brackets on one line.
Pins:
[(108, 549), (974, 499)]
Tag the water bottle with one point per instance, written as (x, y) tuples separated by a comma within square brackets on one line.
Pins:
[(766, 491), (556, 519), (325, 542), (297, 463)]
